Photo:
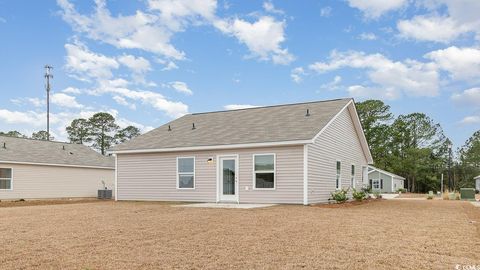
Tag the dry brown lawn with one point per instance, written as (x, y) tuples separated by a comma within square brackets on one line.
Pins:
[(410, 234)]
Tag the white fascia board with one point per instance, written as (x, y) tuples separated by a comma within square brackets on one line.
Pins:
[(56, 165), (212, 147)]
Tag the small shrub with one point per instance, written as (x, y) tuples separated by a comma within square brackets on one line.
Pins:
[(401, 190), (457, 195), (377, 194), (358, 195), (445, 195), (340, 196)]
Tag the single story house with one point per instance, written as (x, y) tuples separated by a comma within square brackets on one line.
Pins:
[(477, 182), (35, 169), (295, 154), (383, 181)]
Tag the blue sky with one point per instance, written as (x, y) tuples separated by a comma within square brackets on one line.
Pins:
[(150, 61)]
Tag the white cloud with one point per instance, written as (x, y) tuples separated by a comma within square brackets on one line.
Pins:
[(326, 11), (333, 85), (154, 99), (461, 63), (85, 65), (72, 90), (122, 101), (37, 102), (297, 73), (29, 117), (469, 97), (136, 64), (151, 32), (410, 77), (262, 37), (238, 106), (269, 7), (376, 8), (367, 36), (432, 28), (64, 100), (369, 92), (180, 87), (170, 66), (459, 18), (176, 14), (469, 120)]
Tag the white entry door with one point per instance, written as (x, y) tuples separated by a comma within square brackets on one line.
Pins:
[(228, 182)]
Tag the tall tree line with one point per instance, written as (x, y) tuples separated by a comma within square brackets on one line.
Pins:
[(99, 132), (415, 147)]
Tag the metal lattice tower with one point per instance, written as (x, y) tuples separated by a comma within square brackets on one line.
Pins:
[(48, 76)]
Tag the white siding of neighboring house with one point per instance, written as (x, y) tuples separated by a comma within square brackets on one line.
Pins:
[(339, 141), (397, 184), (47, 182), (152, 176)]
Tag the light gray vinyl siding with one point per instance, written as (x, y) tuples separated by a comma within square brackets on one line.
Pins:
[(387, 180), (152, 176), (339, 141), (46, 182), (397, 184)]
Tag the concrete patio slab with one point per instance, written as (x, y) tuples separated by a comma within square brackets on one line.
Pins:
[(389, 196), (226, 205)]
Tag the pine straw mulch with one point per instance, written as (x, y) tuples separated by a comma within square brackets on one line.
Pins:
[(347, 204)]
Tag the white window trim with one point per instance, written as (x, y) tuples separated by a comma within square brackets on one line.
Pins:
[(352, 176), (11, 179), (274, 171), (178, 175), (339, 175)]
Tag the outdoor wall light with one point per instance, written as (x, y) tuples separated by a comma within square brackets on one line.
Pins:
[(210, 160)]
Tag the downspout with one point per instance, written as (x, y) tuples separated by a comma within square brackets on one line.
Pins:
[(305, 174)]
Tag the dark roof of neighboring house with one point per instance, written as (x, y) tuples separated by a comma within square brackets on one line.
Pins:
[(21, 150), (269, 124)]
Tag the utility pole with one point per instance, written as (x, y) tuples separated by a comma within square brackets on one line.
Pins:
[(450, 184), (441, 185), (48, 76)]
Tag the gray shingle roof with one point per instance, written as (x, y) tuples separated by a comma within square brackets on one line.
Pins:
[(48, 152), (255, 125)]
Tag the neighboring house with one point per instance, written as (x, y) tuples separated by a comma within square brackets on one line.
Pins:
[(34, 169), (477, 182), (296, 154), (383, 181)]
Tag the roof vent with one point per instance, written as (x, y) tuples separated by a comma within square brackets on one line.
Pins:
[(63, 147), (308, 113), (193, 126), (169, 128)]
